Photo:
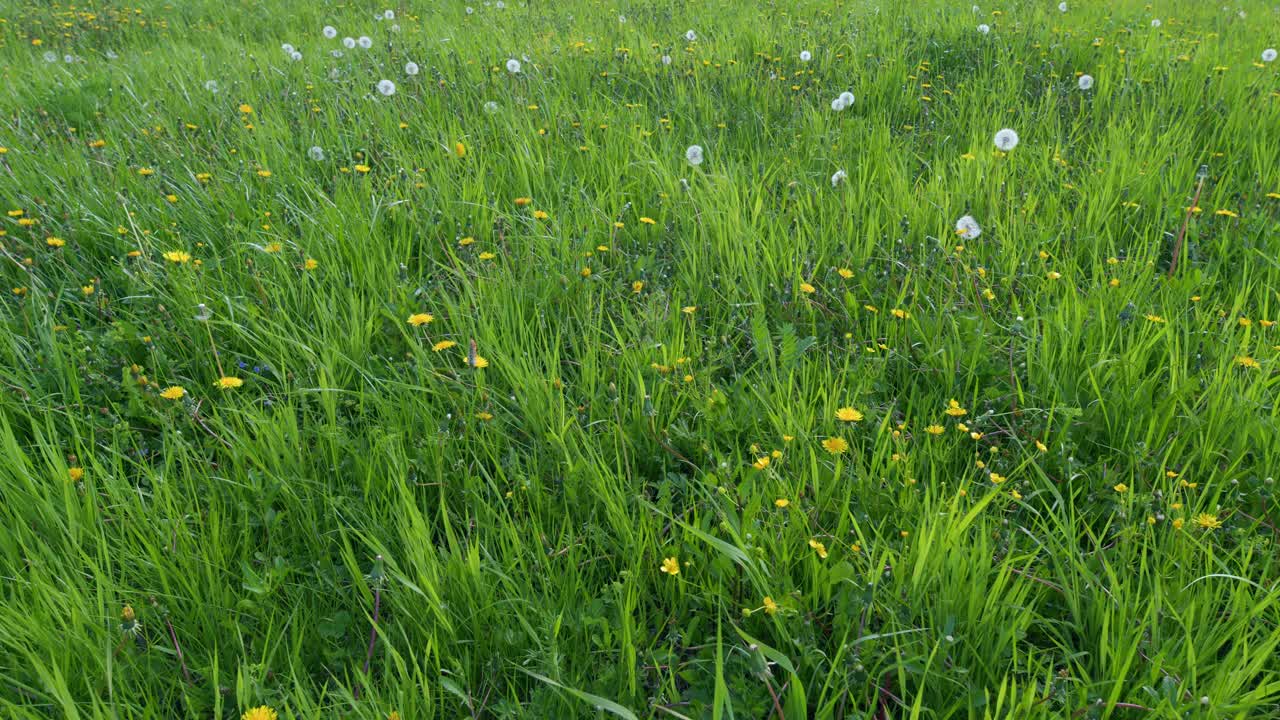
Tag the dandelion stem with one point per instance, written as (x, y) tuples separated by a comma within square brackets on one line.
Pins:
[(373, 634), (1177, 245), (178, 649)]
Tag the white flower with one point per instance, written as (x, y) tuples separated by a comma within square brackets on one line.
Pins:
[(846, 97), (365, 42), (967, 228), (211, 85), (513, 66), (1085, 82), (411, 68), (805, 56), (386, 87), (491, 107), (984, 28), (295, 56), (694, 155), (348, 43), (838, 177), (1155, 22), (50, 56), (329, 31), (1006, 140), (691, 36), (287, 48), (316, 153), (388, 14), (1268, 55), (666, 59), (839, 104), (1062, 7)]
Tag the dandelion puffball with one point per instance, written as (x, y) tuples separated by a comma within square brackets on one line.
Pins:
[(411, 68), (805, 56), (491, 107), (1085, 82), (967, 228), (838, 104), (666, 59), (1006, 140), (1268, 55), (211, 85), (1062, 7), (349, 43), (470, 10), (1155, 22), (295, 56), (846, 97), (287, 48), (386, 87), (388, 14), (365, 42), (316, 153), (691, 36), (329, 31), (984, 28), (50, 56), (838, 177), (694, 155), (513, 66)]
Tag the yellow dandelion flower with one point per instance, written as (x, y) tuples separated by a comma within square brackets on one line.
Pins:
[(954, 409), (229, 383), (781, 502), (263, 712), (173, 392), (177, 256), (835, 445), (420, 319), (818, 547), (1207, 521), (76, 474), (671, 566), (848, 414)]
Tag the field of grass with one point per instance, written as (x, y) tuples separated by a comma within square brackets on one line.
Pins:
[(474, 394)]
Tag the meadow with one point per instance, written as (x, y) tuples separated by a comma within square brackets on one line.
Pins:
[(581, 359)]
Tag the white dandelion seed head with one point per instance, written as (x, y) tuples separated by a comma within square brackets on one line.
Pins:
[(976, 9), (500, 5), (1155, 22), (68, 58), (839, 177), (365, 42), (839, 104), (287, 48), (388, 14), (622, 18), (349, 43), (513, 66), (211, 85), (847, 98), (984, 28), (1085, 82), (491, 107), (295, 56), (50, 56), (666, 59), (967, 228), (336, 53), (805, 56), (335, 73), (316, 153), (1268, 55), (395, 27), (411, 68), (1062, 7), (470, 10), (1006, 140), (691, 36), (329, 31), (386, 87), (694, 155)]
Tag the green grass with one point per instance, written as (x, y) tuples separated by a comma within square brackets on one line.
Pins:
[(1060, 561)]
